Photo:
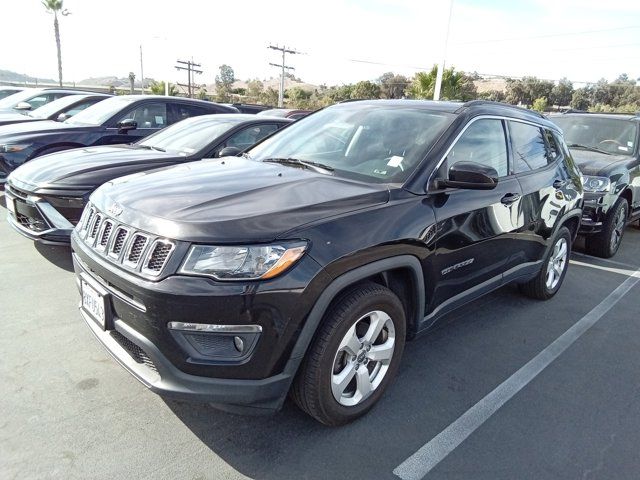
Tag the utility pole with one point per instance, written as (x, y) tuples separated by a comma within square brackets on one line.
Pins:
[(438, 87), (283, 66), (141, 73), (190, 71)]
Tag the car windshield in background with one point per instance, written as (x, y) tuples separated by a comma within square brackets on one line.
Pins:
[(190, 135), (100, 112), (381, 144), (11, 100), (5, 93), (610, 135), (51, 108)]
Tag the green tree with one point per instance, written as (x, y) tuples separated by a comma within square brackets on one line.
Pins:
[(540, 104), (365, 90), (526, 90), (158, 88), (224, 81), (298, 97), (581, 99), (55, 7), (562, 93), (456, 85), (493, 95), (392, 85), (269, 96), (202, 94), (254, 90), (339, 94)]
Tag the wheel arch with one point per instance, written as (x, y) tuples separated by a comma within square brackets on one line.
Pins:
[(401, 274)]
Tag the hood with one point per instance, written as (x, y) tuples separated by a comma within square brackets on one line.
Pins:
[(89, 167), (11, 118), (44, 126), (232, 200), (599, 164)]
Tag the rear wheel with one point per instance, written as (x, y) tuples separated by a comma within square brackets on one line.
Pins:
[(554, 268), (606, 243), (354, 357)]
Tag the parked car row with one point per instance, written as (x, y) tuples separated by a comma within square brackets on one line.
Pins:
[(237, 262)]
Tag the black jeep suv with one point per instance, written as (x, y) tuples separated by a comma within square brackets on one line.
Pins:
[(606, 148), (304, 265)]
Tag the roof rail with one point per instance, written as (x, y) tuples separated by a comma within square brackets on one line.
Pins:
[(474, 103)]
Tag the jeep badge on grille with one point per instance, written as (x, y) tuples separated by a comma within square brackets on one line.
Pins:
[(115, 210)]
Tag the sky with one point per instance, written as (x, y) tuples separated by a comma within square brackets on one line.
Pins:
[(339, 41)]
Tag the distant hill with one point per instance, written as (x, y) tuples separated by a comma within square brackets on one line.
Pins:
[(112, 81), (14, 77)]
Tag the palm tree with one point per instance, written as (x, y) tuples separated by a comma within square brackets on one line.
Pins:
[(55, 7), (455, 85)]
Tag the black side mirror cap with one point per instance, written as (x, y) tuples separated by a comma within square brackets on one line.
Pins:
[(125, 125), (229, 152), (470, 175)]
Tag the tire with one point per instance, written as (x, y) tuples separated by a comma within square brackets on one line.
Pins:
[(606, 243), (554, 268), (351, 317)]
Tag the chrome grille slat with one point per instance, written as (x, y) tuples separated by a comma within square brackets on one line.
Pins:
[(132, 249)]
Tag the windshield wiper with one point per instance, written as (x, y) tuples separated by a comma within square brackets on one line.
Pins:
[(150, 147), (588, 147), (295, 162)]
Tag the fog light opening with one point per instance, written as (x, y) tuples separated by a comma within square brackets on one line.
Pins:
[(239, 344)]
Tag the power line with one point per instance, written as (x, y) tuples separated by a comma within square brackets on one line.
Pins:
[(190, 70), (284, 67), (551, 35)]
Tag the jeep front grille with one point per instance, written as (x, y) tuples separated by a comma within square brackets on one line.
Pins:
[(132, 249)]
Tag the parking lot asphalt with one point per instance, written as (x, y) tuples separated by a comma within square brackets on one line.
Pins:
[(69, 411)]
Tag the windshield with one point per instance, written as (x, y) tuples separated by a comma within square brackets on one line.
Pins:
[(611, 135), (54, 107), (373, 143), (190, 135), (5, 92), (101, 112), (16, 98)]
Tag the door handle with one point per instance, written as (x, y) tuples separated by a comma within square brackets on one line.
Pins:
[(509, 198), (559, 183)]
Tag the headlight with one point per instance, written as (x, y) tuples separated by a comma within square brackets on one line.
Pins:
[(242, 262), (13, 147), (595, 184)]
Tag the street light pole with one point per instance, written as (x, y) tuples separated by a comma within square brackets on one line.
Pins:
[(141, 73), (438, 87)]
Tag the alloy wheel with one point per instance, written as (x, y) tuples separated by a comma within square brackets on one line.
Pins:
[(363, 358), (557, 263)]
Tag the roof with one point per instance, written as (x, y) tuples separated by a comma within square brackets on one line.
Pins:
[(619, 116)]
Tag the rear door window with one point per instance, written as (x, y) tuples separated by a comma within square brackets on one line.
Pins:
[(148, 115)]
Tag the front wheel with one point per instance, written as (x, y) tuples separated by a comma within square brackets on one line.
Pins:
[(354, 357), (606, 243), (554, 268)]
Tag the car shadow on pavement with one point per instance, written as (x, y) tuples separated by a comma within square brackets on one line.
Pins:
[(59, 255), (434, 384)]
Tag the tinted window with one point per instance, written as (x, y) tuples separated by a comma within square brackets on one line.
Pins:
[(79, 107), (483, 142), (148, 115), (529, 149), (186, 111), (553, 147), (250, 136), (40, 100)]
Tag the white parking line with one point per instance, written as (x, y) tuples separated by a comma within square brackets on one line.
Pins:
[(605, 260), (621, 271), (433, 452)]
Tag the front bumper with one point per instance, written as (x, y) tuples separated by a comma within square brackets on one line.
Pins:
[(37, 219), (594, 213), (138, 334)]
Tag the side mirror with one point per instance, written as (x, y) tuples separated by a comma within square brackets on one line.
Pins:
[(62, 117), (125, 125), (229, 152), (470, 175), (23, 106)]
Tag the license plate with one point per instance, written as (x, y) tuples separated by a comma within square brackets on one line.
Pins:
[(11, 205), (93, 303)]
